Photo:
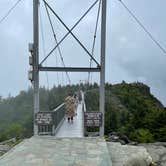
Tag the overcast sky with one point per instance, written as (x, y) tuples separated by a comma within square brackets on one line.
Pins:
[(130, 53)]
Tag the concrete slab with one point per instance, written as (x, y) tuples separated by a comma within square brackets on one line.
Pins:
[(51, 151)]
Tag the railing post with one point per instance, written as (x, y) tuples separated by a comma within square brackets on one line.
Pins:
[(53, 129)]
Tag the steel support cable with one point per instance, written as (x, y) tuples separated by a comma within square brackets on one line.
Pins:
[(143, 27), (70, 31), (94, 39), (56, 41), (55, 56), (57, 72), (43, 45), (9, 11)]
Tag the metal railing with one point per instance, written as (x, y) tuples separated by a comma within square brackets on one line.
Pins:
[(58, 117), (45, 129), (83, 110), (92, 120), (49, 122), (83, 106)]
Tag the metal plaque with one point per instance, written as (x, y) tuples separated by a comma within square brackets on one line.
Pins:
[(44, 118), (92, 119)]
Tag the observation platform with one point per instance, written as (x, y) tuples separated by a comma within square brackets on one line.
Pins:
[(51, 151)]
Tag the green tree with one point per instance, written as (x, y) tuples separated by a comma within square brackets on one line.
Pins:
[(15, 130), (142, 136)]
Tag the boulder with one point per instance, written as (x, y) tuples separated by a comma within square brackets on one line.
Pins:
[(157, 151), (123, 154), (118, 137), (4, 148)]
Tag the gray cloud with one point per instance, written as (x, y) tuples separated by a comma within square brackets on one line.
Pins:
[(131, 55)]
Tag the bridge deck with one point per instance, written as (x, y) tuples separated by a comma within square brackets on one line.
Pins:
[(74, 129)]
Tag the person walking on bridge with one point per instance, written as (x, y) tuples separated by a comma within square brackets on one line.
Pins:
[(70, 111)]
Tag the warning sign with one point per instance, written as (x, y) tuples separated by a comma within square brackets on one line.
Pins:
[(44, 118), (92, 119)]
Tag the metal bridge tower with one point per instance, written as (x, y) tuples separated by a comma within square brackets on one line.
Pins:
[(37, 67), (102, 63), (36, 61)]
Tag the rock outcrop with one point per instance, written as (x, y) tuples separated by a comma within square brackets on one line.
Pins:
[(4, 149), (120, 153), (118, 137), (157, 151), (5, 146)]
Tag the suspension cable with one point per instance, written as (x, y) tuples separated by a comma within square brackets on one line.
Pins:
[(70, 31), (43, 45), (56, 41), (56, 58), (9, 11), (94, 39), (143, 27), (58, 80)]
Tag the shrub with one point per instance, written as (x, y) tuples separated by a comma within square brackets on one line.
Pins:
[(142, 136)]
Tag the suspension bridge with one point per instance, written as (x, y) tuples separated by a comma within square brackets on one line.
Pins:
[(55, 141), (60, 143)]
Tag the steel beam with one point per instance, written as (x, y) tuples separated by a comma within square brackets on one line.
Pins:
[(102, 73), (70, 69), (36, 62)]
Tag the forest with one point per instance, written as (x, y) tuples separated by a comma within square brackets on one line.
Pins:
[(130, 109)]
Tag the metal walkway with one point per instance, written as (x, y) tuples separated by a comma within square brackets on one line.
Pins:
[(74, 129)]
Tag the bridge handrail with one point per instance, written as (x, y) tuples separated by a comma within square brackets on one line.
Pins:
[(57, 108), (58, 115), (83, 102), (83, 110), (84, 107)]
